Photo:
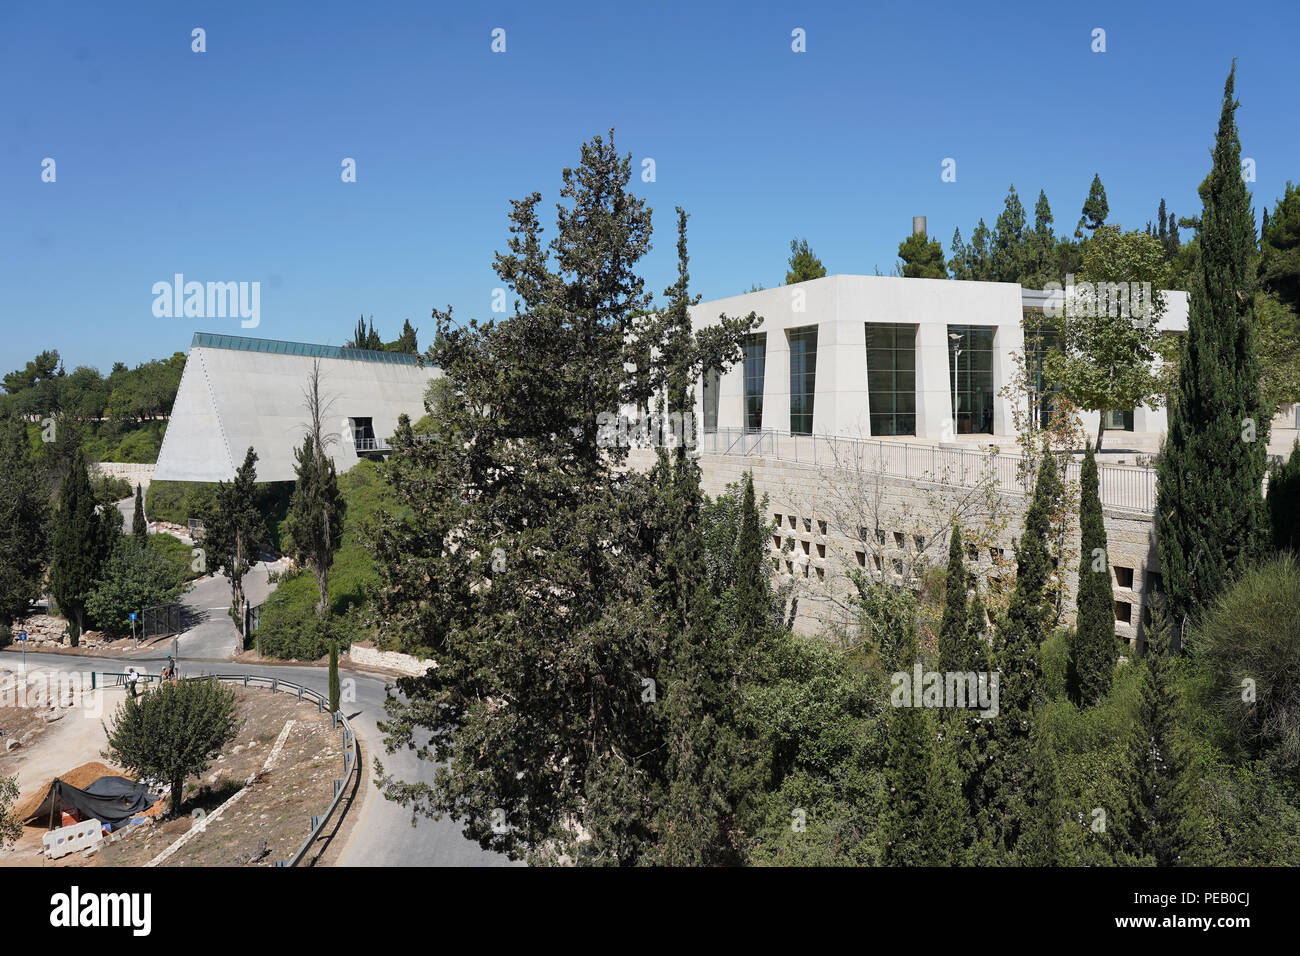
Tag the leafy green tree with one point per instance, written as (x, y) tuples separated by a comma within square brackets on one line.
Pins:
[(24, 524), (1279, 352), (922, 257), (1095, 208), (139, 526), (804, 265), (1092, 651), (1210, 516), (80, 546), (334, 677), (1159, 823), (172, 733), (1283, 502), (234, 529), (953, 629), (317, 508), (1107, 350), (134, 577)]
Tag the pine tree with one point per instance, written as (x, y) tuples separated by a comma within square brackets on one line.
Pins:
[(922, 257), (80, 546), (953, 642), (139, 526), (1008, 255), (1095, 207), (804, 264), (316, 513), (1210, 520), (1160, 819), (1092, 651)]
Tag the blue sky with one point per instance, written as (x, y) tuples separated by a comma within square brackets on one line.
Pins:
[(225, 165)]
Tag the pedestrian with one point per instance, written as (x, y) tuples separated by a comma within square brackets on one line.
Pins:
[(132, 676)]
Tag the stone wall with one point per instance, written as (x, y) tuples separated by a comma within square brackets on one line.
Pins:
[(137, 474), (824, 522), (364, 656)]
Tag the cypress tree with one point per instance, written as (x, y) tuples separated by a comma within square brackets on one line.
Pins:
[(953, 628), (24, 524), (334, 676), (1093, 655), (924, 820), (1210, 520), (1041, 844), (1007, 783), (1162, 812), (80, 546), (1284, 503), (139, 527), (753, 594)]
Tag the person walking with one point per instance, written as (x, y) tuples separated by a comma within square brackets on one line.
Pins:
[(132, 677)]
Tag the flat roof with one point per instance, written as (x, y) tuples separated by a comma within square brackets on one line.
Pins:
[(242, 343)]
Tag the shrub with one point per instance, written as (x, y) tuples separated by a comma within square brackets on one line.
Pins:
[(11, 828), (179, 501), (133, 578), (1249, 641), (109, 488), (173, 732)]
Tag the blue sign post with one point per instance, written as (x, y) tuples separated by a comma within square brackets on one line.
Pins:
[(22, 639), (134, 640)]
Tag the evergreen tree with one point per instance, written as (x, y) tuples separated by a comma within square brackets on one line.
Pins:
[(804, 265), (1042, 246), (24, 524), (1041, 843), (1095, 207), (922, 257), (1284, 503), (1092, 650), (316, 511), (1009, 254), (1162, 812), (1279, 248), (365, 337), (959, 260), (80, 546), (1007, 782), (924, 821), (234, 530), (953, 641), (1210, 516), (980, 254), (139, 527), (334, 677), (406, 342)]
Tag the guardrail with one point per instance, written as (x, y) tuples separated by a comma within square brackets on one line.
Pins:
[(1121, 487), (351, 743)]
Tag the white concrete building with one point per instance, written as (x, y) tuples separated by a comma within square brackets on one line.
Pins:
[(239, 392), (871, 356)]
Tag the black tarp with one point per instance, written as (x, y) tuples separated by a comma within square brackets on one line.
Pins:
[(111, 800)]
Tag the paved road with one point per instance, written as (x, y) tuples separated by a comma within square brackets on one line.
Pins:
[(382, 834)]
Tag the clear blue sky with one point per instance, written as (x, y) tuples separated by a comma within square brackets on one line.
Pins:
[(225, 166)]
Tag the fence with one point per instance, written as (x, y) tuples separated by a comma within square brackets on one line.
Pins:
[(1124, 488), (160, 620), (351, 745)]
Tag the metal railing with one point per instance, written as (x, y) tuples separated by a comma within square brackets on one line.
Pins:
[(371, 444), (1121, 487)]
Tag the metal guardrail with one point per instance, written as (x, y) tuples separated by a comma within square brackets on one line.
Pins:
[(1121, 487), (371, 444), (351, 743)]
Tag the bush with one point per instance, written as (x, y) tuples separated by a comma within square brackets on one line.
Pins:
[(1249, 643), (1284, 502), (173, 732), (110, 489), (134, 578), (11, 828)]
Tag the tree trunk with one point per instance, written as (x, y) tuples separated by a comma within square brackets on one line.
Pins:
[(1101, 427), (178, 790)]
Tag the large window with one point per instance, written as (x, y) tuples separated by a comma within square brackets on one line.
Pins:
[(711, 378), (1042, 335), (755, 347), (970, 350), (891, 378), (803, 379)]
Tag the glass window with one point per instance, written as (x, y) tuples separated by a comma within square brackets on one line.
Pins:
[(891, 378), (803, 379), (970, 375), (1042, 335), (755, 348), (711, 378)]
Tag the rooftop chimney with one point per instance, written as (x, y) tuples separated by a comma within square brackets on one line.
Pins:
[(918, 225)]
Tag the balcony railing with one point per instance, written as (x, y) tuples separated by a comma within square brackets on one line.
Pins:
[(1121, 487)]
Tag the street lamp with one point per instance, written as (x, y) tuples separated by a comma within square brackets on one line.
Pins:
[(955, 337)]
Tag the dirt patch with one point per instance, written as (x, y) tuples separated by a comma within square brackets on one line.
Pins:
[(266, 820), (23, 725)]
